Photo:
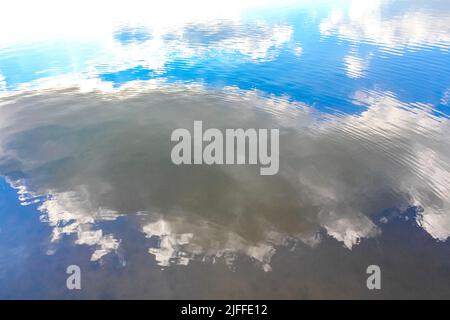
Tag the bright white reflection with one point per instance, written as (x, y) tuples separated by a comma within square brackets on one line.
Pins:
[(369, 21), (99, 37), (356, 66), (35, 21)]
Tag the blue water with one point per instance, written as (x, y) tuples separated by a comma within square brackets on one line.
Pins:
[(415, 72), (343, 60)]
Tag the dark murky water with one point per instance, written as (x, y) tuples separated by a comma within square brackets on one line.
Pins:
[(359, 93)]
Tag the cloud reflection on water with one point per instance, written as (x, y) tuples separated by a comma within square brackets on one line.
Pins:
[(96, 156), (258, 42), (377, 22)]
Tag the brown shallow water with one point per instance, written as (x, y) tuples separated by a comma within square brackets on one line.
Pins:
[(352, 190)]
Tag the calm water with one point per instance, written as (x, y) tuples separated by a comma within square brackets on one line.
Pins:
[(89, 98)]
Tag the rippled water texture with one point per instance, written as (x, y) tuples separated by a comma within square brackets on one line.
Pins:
[(359, 92)]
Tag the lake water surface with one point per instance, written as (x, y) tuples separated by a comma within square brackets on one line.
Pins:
[(89, 97)]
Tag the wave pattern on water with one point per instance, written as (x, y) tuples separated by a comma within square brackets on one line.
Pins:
[(98, 156), (359, 90)]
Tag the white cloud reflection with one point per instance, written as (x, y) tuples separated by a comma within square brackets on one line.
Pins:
[(370, 21), (356, 66), (67, 214), (258, 41)]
